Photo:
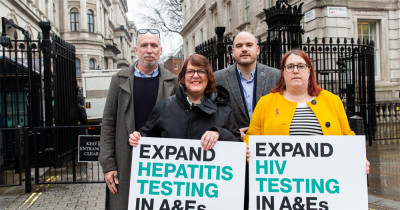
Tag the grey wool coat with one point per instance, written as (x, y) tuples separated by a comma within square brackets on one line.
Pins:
[(267, 79), (118, 122)]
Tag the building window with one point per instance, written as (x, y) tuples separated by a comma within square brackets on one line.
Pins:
[(368, 30), (201, 36), (106, 63), (247, 10), (175, 66), (78, 67), (269, 3), (91, 64), (90, 21), (74, 19), (229, 17), (215, 19)]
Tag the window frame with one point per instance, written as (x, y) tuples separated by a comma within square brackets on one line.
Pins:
[(90, 16), (91, 60), (78, 68), (74, 19), (367, 23), (229, 7), (247, 10)]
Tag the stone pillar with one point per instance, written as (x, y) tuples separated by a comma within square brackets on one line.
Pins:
[(105, 23), (98, 24), (83, 17), (65, 26), (110, 63)]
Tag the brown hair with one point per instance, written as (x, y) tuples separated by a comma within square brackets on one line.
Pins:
[(313, 88), (199, 61)]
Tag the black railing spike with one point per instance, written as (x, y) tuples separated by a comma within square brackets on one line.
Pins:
[(259, 40), (308, 40), (352, 40), (345, 40), (15, 35), (330, 40), (323, 40), (338, 40), (358, 41), (372, 43), (316, 40)]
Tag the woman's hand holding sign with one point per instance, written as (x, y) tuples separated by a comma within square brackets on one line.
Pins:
[(209, 139)]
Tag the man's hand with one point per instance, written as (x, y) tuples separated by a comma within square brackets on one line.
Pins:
[(112, 181), (242, 132), (209, 139)]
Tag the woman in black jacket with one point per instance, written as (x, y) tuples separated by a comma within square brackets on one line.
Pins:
[(198, 110)]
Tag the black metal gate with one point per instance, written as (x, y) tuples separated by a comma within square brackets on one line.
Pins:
[(38, 110)]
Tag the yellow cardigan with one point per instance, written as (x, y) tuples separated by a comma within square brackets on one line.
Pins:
[(274, 113)]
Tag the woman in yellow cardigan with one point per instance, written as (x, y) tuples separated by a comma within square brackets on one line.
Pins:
[(297, 105)]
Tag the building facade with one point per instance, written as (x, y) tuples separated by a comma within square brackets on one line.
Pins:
[(174, 62), (365, 19), (103, 36)]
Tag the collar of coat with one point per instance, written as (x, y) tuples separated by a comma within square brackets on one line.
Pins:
[(209, 105), (164, 74)]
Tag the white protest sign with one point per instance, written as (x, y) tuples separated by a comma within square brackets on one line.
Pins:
[(307, 172), (178, 174)]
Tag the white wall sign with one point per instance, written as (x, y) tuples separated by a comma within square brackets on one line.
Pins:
[(179, 174), (337, 11), (309, 16), (315, 172)]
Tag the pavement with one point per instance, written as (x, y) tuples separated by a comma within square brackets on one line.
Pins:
[(383, 189)]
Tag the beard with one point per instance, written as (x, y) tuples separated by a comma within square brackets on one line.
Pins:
[(246, 62), (149, 64)]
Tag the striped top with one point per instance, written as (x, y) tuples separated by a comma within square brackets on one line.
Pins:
[(304, 121)]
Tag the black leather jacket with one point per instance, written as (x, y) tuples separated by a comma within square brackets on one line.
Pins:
[(173, 117)]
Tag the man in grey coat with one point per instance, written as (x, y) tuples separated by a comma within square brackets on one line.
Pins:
[(132, 94), (247, 81)]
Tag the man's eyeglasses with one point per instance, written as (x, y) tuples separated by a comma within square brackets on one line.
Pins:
[(300, 67), (144, 31), (191, 72)]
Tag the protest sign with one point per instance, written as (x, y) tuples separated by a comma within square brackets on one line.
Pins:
[(171, 174), (307, 172)]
